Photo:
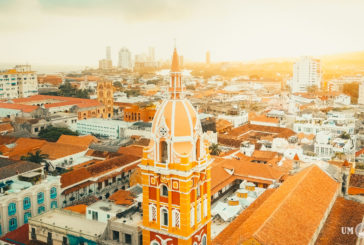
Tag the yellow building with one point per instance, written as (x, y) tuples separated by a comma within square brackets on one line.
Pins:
[(176, 173), (105, 95)]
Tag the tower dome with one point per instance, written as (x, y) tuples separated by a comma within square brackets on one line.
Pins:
[(176, 129)]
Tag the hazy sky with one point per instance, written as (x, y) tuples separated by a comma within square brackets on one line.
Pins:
[(77, 31)]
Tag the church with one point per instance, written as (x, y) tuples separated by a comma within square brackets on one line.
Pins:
[(176, 173)]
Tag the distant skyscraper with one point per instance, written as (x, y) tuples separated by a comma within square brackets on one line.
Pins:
[(151, 53), (306, 73), (361, 93), (208, 58), (125, 59), (108, 53)]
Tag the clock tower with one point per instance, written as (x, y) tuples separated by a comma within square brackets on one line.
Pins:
[(176, 174)]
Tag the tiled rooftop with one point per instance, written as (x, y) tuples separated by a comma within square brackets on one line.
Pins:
[(344, 213), (296, 208), (9, 168)]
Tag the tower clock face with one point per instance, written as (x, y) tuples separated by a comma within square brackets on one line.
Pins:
[(163, 132)]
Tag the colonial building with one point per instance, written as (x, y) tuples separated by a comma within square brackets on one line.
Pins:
[(105, 92), (176, 174)]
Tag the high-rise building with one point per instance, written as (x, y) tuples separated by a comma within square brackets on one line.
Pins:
[(151, 53), (176, 173), (361, 93), (125, 59), (19, 82), (108, 53), (105, 92), (208, 58), (306, 73), (105, 64)]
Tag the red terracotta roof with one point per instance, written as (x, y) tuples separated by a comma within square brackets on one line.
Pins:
[(57, 150), (81, 208), (99, 168), (232, 232), (23, 108), (23, 146), (6, 127), (296, 208), (296, 158), (356, 180), (135, 150), (244, 170), (360, 152), (344, 213), (122, 197), (84, 141), (18, 236)]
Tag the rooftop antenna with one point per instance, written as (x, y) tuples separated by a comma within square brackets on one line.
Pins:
[(175, 45)]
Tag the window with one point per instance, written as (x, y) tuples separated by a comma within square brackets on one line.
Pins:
[(164, 191), (127, 238), (198, 212), (41, 209), (175, 218), (95, 215), (192, 216), (40, 197), (164, 216), (164, 152), (108, 216), (152, 212), (115, 236), (11, 209), (27, 215), (53, 192), (26, 203), (13, 224), (198, 190), (204, 240), (54, 204)]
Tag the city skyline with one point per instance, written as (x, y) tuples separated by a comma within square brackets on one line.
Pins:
[(76, 32)]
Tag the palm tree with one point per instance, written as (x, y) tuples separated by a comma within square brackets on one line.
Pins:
[(214, 149), (37, 157)]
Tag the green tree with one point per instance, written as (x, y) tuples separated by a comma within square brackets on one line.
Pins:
[(68, 90), (345, 136), (37, 157), (52, 134), (214, 149)]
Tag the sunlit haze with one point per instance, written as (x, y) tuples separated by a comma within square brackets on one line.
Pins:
[(77, 31)]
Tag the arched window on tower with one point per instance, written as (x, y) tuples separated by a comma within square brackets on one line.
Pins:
[(164, 152), (164, 216), (198, 149), (164, 191)]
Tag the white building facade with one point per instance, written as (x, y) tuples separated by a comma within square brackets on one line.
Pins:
[(19, 82), (24, 200), (306, 73)]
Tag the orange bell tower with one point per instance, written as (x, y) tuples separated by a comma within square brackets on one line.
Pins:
[(176, 173)]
